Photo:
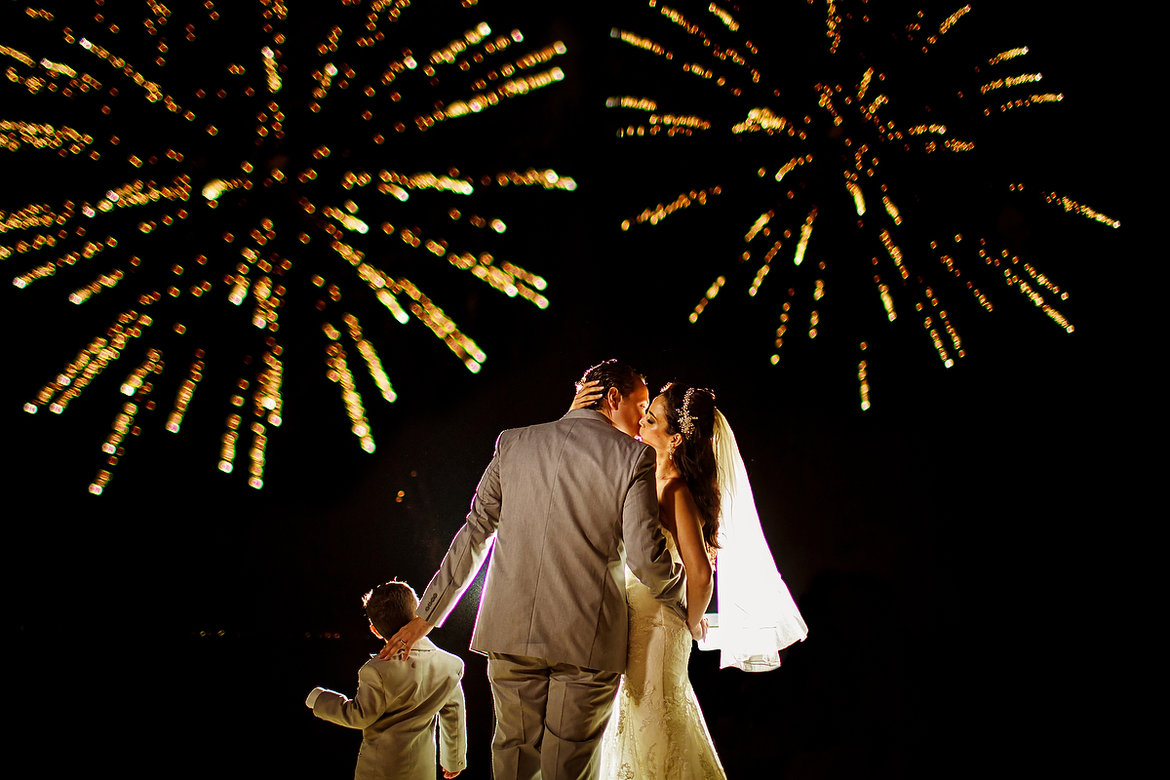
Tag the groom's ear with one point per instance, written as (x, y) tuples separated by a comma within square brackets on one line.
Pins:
[(613, 397)]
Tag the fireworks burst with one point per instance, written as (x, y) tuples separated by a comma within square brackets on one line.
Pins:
[(206, 170), (865, 142)]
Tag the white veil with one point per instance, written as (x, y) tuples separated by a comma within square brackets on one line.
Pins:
[(757, 617)]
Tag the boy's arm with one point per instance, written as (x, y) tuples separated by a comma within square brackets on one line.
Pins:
[(453, 732), (367, 705)]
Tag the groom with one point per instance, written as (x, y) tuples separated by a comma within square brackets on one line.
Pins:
[(561, 501)]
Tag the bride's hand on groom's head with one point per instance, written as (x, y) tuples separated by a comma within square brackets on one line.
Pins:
[(587, 395)]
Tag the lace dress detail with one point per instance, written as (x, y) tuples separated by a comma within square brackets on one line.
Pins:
[(657, 731)]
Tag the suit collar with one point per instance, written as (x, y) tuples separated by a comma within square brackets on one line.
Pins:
[(422, 644), (587, 414)]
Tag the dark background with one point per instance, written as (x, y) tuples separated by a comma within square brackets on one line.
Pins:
[(966, 553)]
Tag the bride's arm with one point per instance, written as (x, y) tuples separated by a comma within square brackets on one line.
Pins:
[(587, 395), (681, 517)]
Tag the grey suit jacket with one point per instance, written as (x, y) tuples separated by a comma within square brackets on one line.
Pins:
[(568, 505), (396, 706)]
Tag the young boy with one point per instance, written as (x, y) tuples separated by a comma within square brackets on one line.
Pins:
[(398, 702)]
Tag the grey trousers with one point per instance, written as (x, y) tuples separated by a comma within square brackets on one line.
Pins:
[(549, 717)]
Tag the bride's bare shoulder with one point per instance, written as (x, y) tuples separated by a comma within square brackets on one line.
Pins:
[(674, 497)]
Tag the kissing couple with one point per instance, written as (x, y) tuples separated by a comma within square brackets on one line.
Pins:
[(603, 527)]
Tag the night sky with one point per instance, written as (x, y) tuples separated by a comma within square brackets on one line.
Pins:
[(963, 552)]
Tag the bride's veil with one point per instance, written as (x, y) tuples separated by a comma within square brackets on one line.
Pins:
[(757, 616)]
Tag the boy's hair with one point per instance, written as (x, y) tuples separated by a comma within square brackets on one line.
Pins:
[(390, 606)]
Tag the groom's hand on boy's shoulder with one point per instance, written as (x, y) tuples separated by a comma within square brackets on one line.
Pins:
[(405, 638)]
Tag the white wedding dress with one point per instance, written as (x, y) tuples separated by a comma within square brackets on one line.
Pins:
[(657, 730)]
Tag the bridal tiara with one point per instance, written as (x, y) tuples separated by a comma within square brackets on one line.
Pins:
[(686, 422)]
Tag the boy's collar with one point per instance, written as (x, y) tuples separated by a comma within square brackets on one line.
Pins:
[(423, 643)]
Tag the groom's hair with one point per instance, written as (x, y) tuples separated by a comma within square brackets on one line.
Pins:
[(613, 373), (390, 606)]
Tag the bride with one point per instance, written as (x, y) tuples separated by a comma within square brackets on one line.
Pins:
[(706, 505)]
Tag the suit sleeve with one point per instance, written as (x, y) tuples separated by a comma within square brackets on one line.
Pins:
[(367, 705), (453, 731), (468, 549), (646, 552)]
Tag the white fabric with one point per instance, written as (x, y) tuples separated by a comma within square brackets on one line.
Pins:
[(757, 616), (657, 731)]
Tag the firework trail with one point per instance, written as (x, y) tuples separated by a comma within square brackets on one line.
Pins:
[(864, 137), (214, 174)]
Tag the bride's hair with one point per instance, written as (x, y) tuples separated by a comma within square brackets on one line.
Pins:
[(690, 411)]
